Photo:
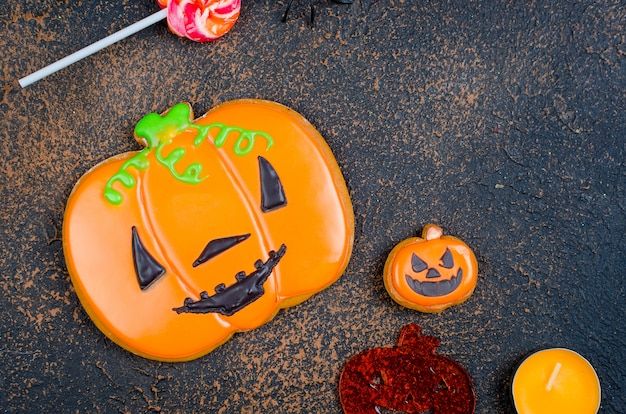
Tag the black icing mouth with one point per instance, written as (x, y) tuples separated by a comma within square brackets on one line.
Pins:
[(434, 289), (231, 299)]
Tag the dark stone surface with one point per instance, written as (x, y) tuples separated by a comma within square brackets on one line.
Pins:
[(504, 122)]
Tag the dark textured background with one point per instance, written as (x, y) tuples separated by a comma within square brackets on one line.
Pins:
[(502, 121)]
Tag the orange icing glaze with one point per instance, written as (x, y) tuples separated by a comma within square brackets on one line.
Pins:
[(175, 220), (431, 273)]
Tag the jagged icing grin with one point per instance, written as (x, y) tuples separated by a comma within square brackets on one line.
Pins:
[(434, 285), (248, 287), (435, 288)]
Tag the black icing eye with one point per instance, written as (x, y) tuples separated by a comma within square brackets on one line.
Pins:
[(272, 192), (217, 246), (418, 264), (147, 268), (446, 260)]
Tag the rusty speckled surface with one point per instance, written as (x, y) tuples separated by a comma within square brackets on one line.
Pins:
[(503, 122)]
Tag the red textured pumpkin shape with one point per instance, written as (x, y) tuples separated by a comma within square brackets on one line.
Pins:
[(408, 378), (211, 229)]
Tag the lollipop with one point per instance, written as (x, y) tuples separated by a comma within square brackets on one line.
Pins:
[(198, 20), (201, 20)]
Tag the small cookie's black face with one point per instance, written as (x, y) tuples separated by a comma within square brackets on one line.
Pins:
[(434, 281), (248, 287)]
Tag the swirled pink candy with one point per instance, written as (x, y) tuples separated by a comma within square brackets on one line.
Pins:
[(201, 20)]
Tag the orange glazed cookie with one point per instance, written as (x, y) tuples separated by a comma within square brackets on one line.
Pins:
[(431, 273), (213, 227)]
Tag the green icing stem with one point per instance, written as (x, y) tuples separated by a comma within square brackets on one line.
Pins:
[(139, 162), (160, 130), (191, 173)]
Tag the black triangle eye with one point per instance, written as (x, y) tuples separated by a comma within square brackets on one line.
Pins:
[(147, 268), (272, 192), (447, 260), (418, 264), (217, 246)]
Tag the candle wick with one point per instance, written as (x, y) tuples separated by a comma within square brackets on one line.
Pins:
[(555, 372)]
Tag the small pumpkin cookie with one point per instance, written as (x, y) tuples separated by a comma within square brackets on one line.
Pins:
[(431, 273), (212, 228)]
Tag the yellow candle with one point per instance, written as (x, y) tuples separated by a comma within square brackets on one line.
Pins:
[(555, 381)]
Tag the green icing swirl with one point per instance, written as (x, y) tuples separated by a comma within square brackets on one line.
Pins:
[(139, 162), (160, 130), (243, 137)]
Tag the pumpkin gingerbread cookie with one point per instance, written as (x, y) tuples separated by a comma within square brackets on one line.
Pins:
[(431, 273), (218, 223)]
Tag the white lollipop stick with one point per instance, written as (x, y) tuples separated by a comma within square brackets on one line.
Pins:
[(93, 48)]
